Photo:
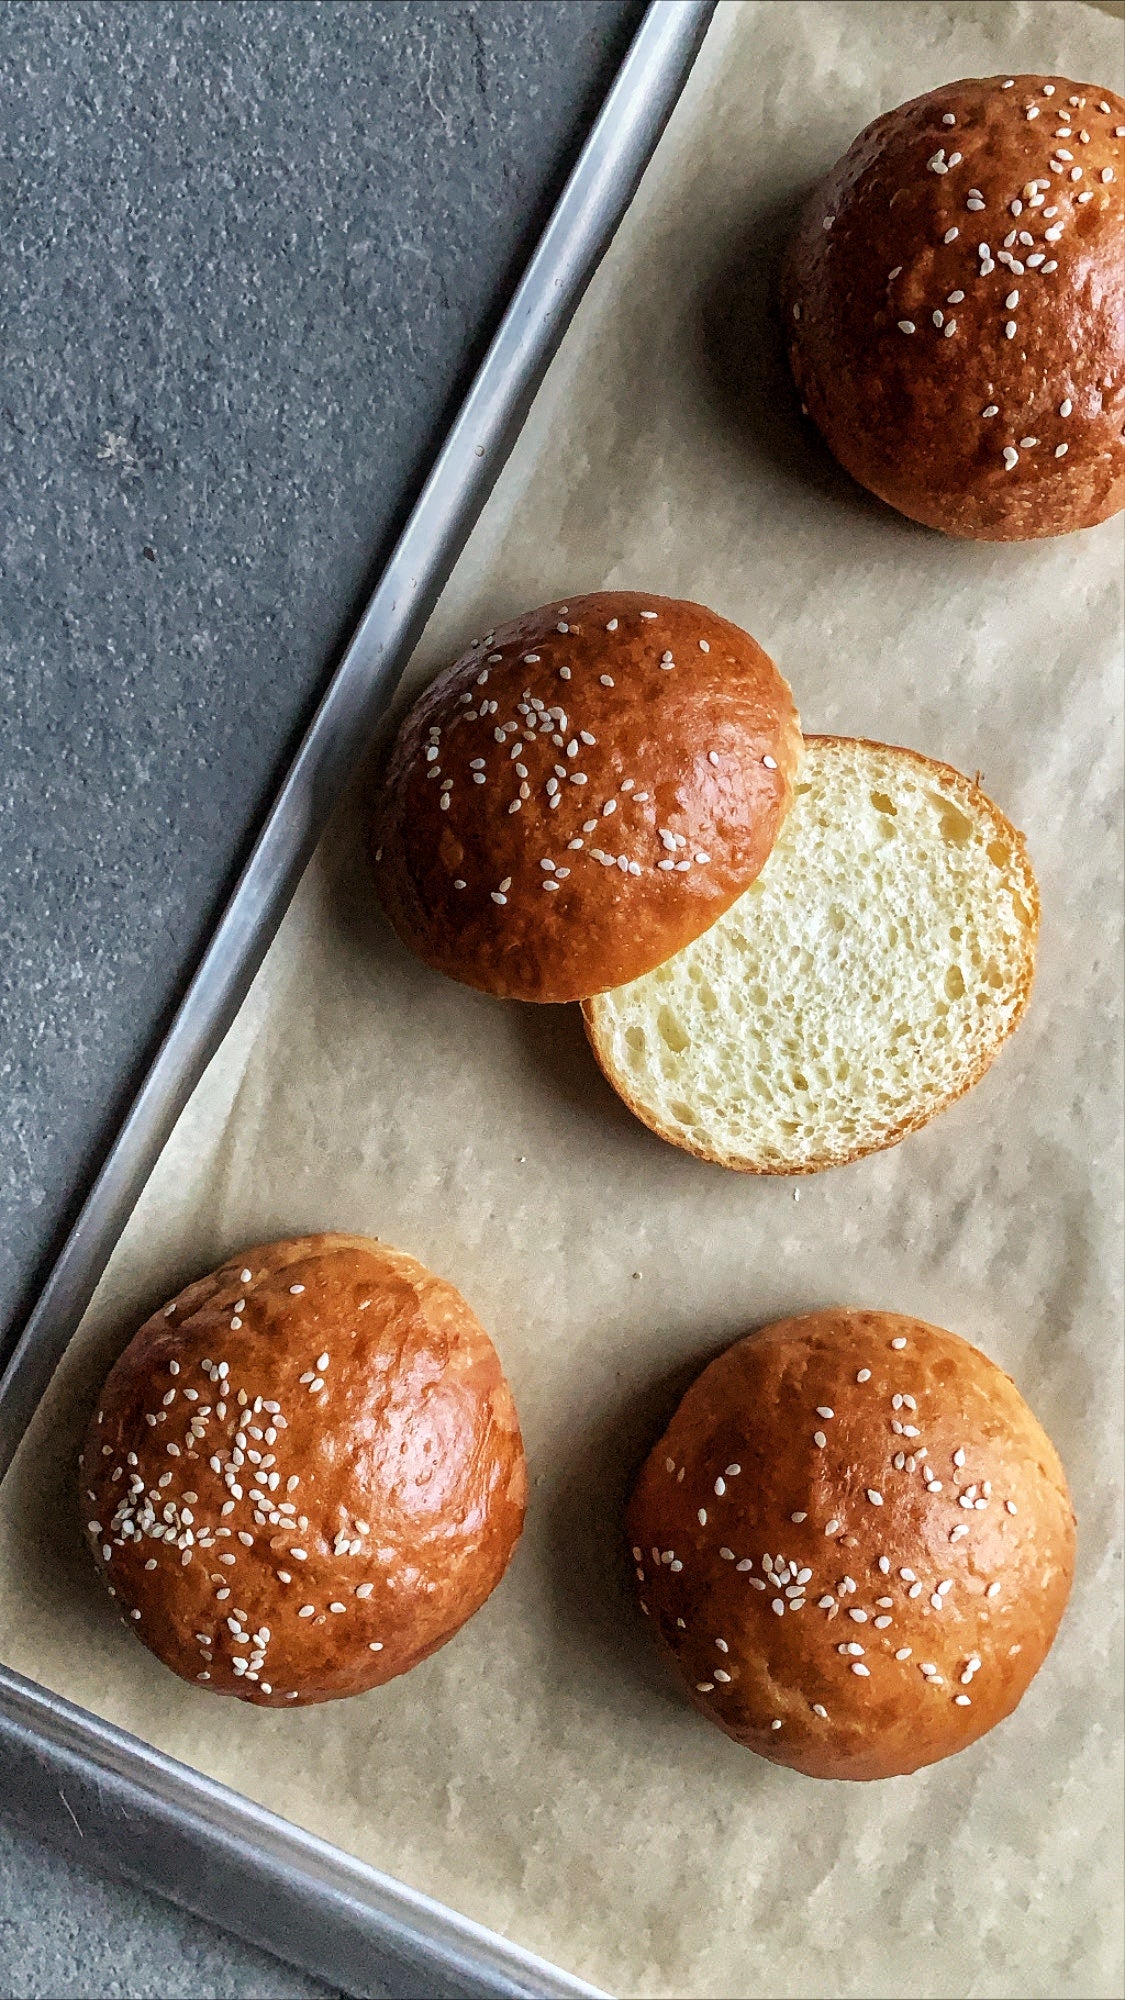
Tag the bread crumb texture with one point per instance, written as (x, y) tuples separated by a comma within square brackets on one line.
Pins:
[(868, 977)]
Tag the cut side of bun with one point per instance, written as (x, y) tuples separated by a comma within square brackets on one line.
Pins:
[(866, 980)]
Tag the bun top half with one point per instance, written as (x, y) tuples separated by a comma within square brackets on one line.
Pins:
[(305, 1472), (582, 794), (854, 1543), (954, 301)]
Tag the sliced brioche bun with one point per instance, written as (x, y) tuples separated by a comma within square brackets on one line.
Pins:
[(864, 982), (583, 793), (384, 1506), (954, 303), (854, 1542)]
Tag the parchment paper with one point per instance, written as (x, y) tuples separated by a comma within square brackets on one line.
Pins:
[(540, 1774)]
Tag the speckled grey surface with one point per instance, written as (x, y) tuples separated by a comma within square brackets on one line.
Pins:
[(250, 254), (67, 1931)]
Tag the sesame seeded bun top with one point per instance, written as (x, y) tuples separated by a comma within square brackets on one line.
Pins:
[(582, 794), (304, 1473), (854, 1542), (954, 302)]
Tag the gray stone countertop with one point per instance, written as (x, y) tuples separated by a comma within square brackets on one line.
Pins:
[(251, 253)]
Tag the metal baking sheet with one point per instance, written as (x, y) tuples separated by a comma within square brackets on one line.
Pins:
[(69, 1776)]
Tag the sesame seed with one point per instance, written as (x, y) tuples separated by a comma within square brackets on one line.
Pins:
[(832, 1527), (906, 326), (963, 1700), (876, 1499), (1107, 173), (951, 235), (704, 1687), (701, 1517), (819, 1439), (1012, 299), (778, 1604), (822, 1410), (798, 1518), (859, 1668)]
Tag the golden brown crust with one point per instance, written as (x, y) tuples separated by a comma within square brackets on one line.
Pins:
[(391, 1483), (672, 758), (891, 243), (975, 802), (953, 1528)]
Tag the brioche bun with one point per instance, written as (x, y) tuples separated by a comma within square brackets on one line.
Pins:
[(383, 1509), (854, 1543), (954, 304), (866, 980), (549, 862)]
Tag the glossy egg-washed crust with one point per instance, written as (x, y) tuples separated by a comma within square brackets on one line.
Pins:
[(978, 806), (739, 1476), (1039, 341), (400, 1456), (671, 756)]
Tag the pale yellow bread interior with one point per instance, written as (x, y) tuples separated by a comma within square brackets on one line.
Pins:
[(866, 979)]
